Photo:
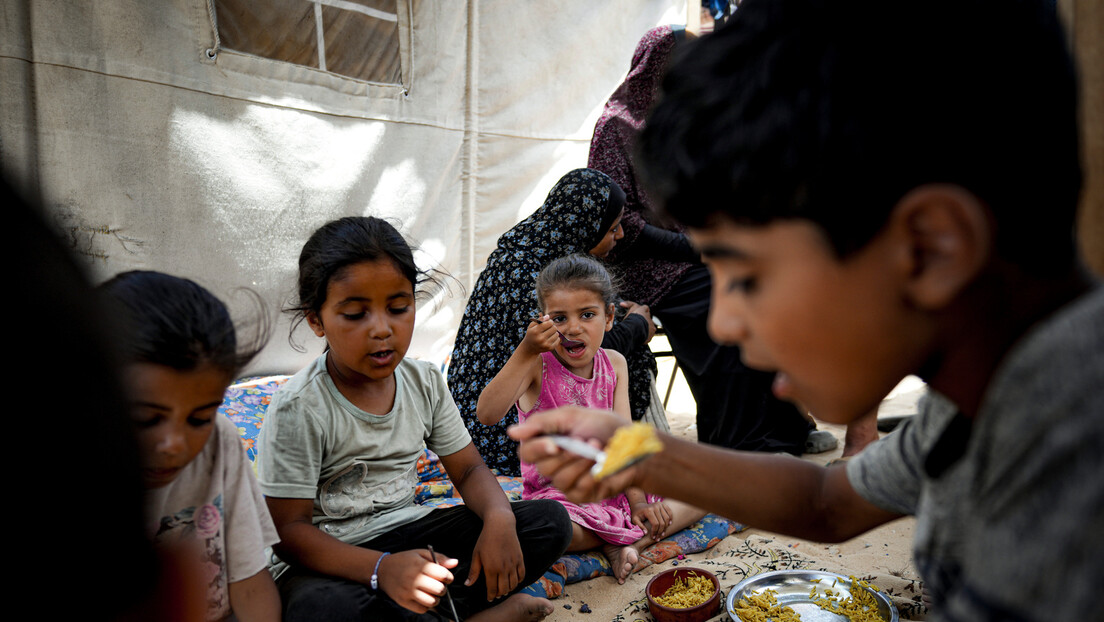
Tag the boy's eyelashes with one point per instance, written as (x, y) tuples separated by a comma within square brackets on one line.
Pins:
[(745, 285)]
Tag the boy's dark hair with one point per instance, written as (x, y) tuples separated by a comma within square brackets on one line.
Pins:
[(576, 272), (171, 321), (341, 243), (831, 111)]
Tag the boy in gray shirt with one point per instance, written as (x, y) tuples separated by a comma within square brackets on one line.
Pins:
[(883, 189)]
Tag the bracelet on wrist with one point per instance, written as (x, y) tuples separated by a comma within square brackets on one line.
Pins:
[(375, 572)]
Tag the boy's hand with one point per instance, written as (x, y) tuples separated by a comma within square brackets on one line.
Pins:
[(413, 580), (498, 555), (540, 337), (642, 310), (569, 472), (654, 517)]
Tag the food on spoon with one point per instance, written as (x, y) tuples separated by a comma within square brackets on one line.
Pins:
[(629, 444)]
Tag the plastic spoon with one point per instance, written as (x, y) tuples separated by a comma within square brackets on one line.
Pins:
[(590, 452)]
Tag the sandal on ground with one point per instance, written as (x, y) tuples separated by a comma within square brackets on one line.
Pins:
[(820, 441)]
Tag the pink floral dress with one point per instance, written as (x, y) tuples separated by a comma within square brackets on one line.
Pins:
[(610, 519)]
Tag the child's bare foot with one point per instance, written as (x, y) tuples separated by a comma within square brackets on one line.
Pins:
[(622, 560), (517, 607)]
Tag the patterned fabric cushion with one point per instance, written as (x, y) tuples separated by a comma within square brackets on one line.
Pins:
[(245, 404)]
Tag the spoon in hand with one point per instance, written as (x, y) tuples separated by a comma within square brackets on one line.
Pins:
[(567, 343)]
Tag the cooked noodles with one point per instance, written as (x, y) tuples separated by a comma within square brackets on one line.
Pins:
[(689, 592), (629, 443), (860, 606)]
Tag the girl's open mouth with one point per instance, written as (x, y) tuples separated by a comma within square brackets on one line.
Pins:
[(574, 348)]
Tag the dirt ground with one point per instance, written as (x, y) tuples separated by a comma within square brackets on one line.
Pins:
[(883, 554)]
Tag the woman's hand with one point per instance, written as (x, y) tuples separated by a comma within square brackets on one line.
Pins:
[(540, 336), (413, 580), (653, 518), (569, 472), (642, 310), (498, 555)]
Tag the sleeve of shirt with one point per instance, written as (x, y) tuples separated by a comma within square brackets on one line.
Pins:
[(655, 243), (290, 450), (627, 335), (448, 434), (249, 527), (890, 472)]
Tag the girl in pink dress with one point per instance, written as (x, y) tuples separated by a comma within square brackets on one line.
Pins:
[(559, 363)]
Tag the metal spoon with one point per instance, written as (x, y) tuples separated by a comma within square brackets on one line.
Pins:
[(567, 343)]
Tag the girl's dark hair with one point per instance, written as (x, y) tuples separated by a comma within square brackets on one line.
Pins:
[(171, 321), (576, 272), (344, 242)]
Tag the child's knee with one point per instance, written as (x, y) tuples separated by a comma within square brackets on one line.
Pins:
[(309, 598), (544, 518)]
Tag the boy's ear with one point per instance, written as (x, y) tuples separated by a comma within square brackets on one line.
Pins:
[(315, 323), (949, 233)]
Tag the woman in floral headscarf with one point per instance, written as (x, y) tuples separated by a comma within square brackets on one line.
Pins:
[(582, 214)]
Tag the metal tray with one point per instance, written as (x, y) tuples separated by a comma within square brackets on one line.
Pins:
[(792, 589)]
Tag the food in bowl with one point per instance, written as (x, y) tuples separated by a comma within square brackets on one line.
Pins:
[(687, 592)]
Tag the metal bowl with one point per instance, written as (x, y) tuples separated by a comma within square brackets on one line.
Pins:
[(792, 589)]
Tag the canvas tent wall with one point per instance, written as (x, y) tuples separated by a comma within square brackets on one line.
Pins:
[(154, 147)]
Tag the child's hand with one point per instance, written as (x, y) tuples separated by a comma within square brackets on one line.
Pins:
[(569, 472), (413, 580), (540, 337), (652, 516), (498, 555)]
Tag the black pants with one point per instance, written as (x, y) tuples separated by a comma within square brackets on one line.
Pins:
[(736, 408), (543, 529)]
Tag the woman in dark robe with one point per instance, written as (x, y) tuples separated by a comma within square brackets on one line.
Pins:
[(736, 407)]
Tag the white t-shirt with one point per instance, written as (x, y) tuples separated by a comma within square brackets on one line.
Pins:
[(215, 507), (358, 467)]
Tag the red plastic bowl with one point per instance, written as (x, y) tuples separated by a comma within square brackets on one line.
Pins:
[(659, 584)]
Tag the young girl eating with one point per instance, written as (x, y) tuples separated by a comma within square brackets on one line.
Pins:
[(560, 362), (202, 498), (338, 455)]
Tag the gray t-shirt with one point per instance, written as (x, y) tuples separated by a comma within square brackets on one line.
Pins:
[(1009, 507), (358, 467)]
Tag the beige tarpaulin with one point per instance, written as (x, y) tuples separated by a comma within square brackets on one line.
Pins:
[(155, 147)]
